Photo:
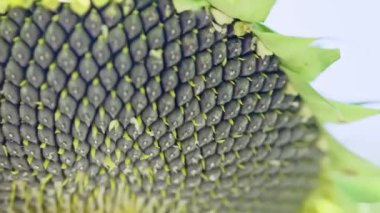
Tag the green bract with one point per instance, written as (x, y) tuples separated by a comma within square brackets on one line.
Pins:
[(350, 178), (303, 63)]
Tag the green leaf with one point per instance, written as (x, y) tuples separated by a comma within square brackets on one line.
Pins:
[(297, 54), (327, 110), (359, 188), (302, 63), (342, 160), (246, 10), (319, 204), (352, 175), (352, 112), (347, 182), (184, 5)]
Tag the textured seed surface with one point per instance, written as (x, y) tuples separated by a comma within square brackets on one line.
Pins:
[(136, 100)]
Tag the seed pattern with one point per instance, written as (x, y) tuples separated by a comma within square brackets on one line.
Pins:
[(159, 101)]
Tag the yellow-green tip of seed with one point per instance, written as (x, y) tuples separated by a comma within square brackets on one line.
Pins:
[(7, 4), (50, 4), (80, 6)]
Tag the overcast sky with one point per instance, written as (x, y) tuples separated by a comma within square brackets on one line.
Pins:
[(352, 26)]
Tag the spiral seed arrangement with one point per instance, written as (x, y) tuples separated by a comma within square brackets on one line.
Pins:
[(135, 103)]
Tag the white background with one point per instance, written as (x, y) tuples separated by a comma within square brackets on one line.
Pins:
[(354, 27)]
